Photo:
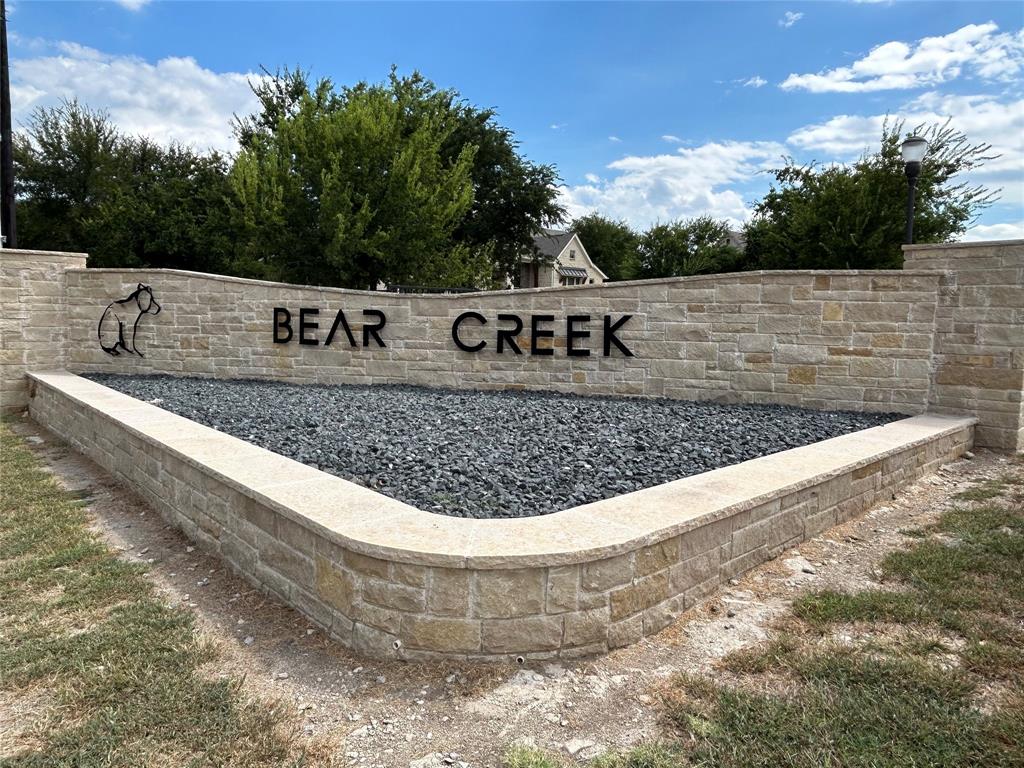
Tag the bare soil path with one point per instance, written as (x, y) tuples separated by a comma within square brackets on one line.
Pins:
[(370, 713)]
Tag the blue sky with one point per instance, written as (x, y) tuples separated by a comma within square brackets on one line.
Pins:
[(649, 111)]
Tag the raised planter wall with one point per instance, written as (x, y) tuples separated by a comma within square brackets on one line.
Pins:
[(390, 580)]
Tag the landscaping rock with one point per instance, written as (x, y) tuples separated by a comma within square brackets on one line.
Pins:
[(490, 454)]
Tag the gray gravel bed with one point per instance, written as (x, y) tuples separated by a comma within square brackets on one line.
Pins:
[(490, 454)]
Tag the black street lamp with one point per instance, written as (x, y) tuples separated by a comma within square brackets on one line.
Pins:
[(913, 150)]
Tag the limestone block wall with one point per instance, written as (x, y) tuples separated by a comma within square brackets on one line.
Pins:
[(390, 580), (34, 318), (978, 352), (944, 334), (852, 340)]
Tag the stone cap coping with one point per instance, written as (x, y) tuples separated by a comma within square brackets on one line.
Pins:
[(6, 253), (370, 523), (957, 246), (739, 277)]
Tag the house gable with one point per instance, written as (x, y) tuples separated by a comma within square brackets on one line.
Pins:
[(582, 257)]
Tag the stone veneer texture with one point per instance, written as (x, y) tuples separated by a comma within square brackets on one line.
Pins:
[(840, 340), (33, 318), (978, 355), (388, 580), (944, 334)]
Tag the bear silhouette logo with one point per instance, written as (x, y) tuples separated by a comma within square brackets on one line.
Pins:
[(119, 314)]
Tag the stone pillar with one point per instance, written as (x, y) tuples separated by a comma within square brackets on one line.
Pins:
[(978, 350), (33, 318)]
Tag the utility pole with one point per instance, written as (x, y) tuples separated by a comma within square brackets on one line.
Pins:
[(7, 221)]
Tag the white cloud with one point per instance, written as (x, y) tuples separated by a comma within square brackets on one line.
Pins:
[(671, 139), (984, 119), (614, 139), (755, 82), (557, 126), (688, 182), (1010, 230), (705, 179), (173, 100), (978, 49), (132, 5), (841, 137), (790, 19)]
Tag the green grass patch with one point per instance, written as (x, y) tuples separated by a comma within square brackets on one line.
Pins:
[(120, 669), (846, 708), (528, 757), (828, 606), (989, 489), (968, 579), (913, 533), (890, 697), (646, 756)]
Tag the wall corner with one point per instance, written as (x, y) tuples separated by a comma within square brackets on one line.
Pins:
[(978, 347), (33, 318)]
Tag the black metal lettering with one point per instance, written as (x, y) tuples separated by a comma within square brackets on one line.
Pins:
[(610, 338), (508, 335), (339, 319), (571, 333), (373, 330), (282, 319), (455, 332), (305, 325), (538, 333)]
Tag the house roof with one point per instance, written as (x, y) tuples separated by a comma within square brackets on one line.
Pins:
[(551, 242)]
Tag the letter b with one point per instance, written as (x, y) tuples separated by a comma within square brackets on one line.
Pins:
[(282, 319)]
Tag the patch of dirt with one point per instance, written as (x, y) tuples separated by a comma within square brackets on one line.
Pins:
[(22, 714), (388, 714)]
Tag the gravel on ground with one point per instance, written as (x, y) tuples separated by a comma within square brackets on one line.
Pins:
[(490, 454)]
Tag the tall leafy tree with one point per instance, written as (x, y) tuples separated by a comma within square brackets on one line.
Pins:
[(852, 217), (687, 247), (170, 210), (66, 164), (511, 196), (344, 192), (612, 245), (83, 186)]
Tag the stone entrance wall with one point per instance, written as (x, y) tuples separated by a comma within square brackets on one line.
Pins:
[(943, 334), (852, 340)]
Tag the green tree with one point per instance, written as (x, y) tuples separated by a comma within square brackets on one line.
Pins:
[(687, 247), (853, 217), (169, 210), (341, 193), (127, 201), (65, 165), (511, 196), (612, 245)]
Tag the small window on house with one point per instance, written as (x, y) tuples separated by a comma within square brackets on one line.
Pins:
[(572, 254)]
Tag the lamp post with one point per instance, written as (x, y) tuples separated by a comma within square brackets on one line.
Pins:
[(7, 223), (913, 150)]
